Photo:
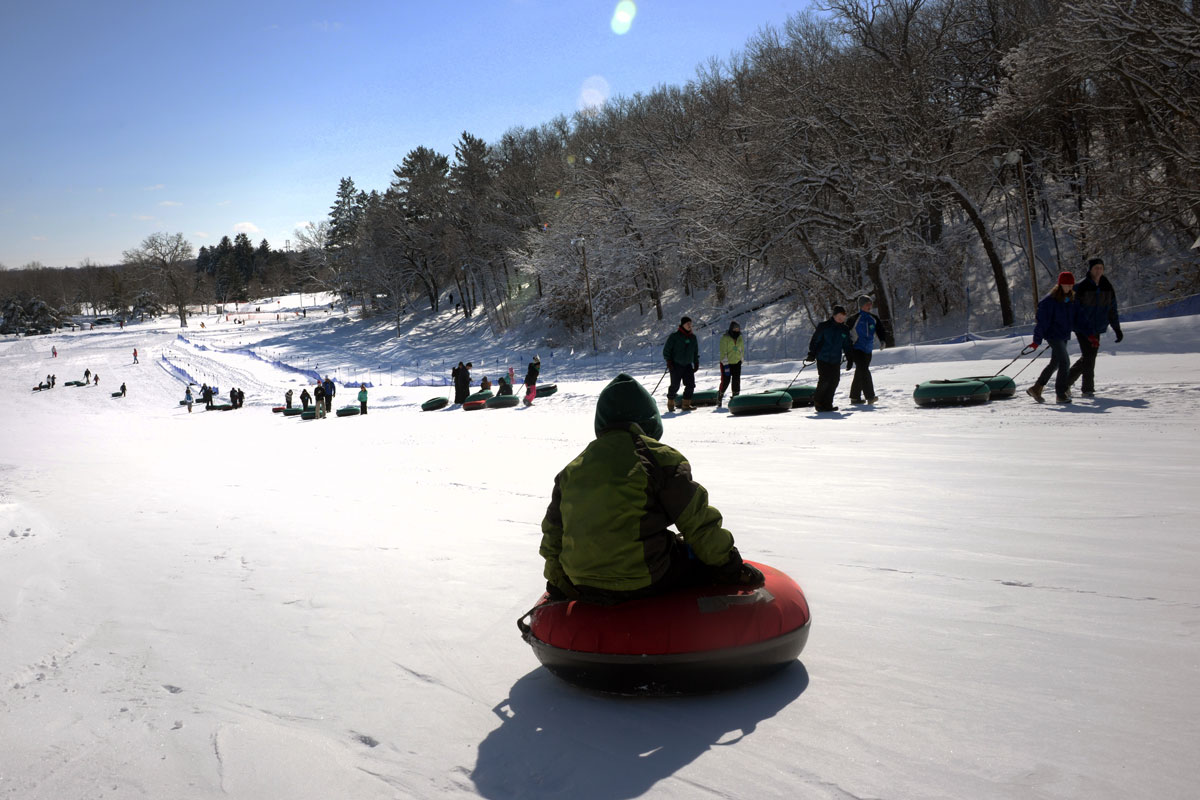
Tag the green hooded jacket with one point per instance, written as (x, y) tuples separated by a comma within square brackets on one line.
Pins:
[(606, 526)]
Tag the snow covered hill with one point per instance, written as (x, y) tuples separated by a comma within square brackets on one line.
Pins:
[(237, 604)]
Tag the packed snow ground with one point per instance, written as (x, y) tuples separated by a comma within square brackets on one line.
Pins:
[(235, 604)]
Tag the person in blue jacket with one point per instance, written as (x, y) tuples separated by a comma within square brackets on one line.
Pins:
[(330, 391), (1097, 310), (830, 341), (864, 327), (1055, 321)]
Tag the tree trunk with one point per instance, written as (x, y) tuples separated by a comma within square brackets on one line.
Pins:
[(968, 207)]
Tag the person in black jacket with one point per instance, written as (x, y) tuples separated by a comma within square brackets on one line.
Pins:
[(830, 341), (1096, 310), (462, 381), (531, 376)]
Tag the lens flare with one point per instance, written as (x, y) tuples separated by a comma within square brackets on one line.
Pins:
[(622, 18), (593, 94)]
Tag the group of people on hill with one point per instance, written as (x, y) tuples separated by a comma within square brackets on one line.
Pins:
[(49, 383), (460, 376), (91, 377), (1087, 309), (850, 336), (322, 397)]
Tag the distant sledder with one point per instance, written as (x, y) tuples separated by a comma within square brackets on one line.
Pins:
[(531, 377)]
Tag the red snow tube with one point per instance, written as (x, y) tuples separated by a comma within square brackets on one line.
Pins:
[(695, 640)]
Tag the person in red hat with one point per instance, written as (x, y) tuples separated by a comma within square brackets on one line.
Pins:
[(1055, 321)]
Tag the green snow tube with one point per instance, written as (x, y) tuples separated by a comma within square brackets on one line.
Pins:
[(310, 414), (502, 401), (435, 404), (293, 412), (801, 395), (547, 389), (73, 383), (223, 407), (481, 395), (474, 405), (116, 394), (708, 397), (956, 392), (760, 403), (348, 411), (998, 385)]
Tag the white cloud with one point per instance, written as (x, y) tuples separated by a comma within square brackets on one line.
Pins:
[(156, 187), (245, 227), (201, 234), (170, 203)]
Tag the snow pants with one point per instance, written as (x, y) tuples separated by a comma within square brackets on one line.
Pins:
[(829, 374), (731, 374), (862, 384), (530, 392), (1060, 361), (364, 407), (685, 373), (1085, 366)]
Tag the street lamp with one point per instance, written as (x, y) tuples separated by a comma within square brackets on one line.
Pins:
[(588, 286), (1014, 157)]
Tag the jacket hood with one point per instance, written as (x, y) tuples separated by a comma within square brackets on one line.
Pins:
[(625, 400)]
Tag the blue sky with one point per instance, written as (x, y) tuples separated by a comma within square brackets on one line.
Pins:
[(210, 118)]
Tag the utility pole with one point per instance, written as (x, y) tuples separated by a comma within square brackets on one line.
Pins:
[(587, 284), (1014, 157)]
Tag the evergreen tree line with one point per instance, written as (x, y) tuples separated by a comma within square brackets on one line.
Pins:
[(162, 274), (888, 147)]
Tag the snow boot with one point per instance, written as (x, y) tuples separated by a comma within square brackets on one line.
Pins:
[(1065, 399), (670, 405), (687, 404), (1087, 394), (720, 400), (1035, 392), (854, 402), (872, 400)]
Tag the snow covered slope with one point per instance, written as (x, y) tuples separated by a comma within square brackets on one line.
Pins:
[(235, 604)]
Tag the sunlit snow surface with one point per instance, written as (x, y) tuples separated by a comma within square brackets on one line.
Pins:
[(241, 605)]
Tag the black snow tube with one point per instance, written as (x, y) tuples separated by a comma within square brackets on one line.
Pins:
[(957, 392), (801, 395), (117, 394), (998, 385), (545, 390), (293, 412), (502, 401), (695, 640), (435, 403), (348, 411), (760, 403)]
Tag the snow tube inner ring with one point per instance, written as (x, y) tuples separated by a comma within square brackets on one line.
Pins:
[(474, 405)]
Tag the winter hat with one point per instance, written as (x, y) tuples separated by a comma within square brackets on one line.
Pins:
[(684, 321), (838, 310), (626, 400), (735, 324), (1066, 279), (863, 299), (1094, 261), (536, 359)]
